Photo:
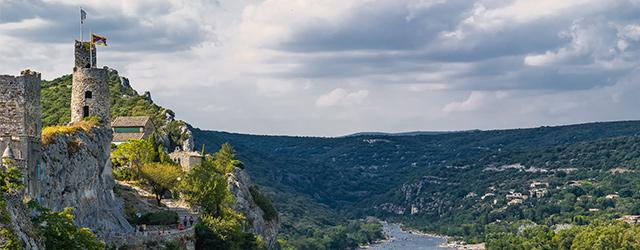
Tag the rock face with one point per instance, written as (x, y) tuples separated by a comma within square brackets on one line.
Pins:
[(20, 223), (187, 143), (239, 183), (76, 172)]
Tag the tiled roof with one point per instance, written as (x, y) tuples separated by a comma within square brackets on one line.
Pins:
[(130, 121), (122, 137)]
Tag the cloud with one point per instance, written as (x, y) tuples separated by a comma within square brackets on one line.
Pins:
[(335, 67), (341, 97)]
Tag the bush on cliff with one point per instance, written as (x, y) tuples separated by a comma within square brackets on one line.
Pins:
[(61, 233), (10, 182), (206, 186), (49, 133), (264, 203)]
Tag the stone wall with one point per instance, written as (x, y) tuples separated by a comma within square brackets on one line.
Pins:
[(94, 80), (187, 160), (143, 240), (20, 119), (76, 172), (85, 54)]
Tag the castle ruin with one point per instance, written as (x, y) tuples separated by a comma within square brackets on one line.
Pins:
[(21, 123), (90, 88), (74, 169)]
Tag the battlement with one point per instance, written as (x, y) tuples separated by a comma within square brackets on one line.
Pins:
[(85, 55)]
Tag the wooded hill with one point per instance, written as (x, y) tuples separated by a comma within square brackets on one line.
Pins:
[(437, 182)]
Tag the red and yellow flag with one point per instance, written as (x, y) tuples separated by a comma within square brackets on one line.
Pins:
[(98, 39)]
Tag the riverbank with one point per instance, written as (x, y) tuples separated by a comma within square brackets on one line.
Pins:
[(450, 243), (398, 238)]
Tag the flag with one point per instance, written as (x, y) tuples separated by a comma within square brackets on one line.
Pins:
[(98, 40), (83, 15)]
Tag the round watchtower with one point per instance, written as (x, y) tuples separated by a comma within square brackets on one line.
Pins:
[(90, 90)]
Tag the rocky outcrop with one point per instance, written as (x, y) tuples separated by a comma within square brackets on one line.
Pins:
[(187, 142), (240, 184), (16, 223), (76, 172)]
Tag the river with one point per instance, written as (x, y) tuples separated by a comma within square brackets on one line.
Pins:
[(400, 239)]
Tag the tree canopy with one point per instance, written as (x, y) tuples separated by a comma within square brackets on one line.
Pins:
[(161, 178)]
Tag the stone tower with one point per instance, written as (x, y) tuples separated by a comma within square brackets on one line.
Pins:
[(90, 90), (20, 122)]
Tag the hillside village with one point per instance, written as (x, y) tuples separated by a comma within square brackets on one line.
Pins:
[(72, 166)]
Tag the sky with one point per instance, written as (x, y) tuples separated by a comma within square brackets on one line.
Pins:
[(335, 67)]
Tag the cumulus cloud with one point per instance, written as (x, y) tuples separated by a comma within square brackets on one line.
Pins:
[(342, 97), (335, 67)]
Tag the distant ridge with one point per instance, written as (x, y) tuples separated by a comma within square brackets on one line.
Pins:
[(410, 133)]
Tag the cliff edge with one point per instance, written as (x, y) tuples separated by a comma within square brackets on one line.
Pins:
[(241, 187), (76, 172)]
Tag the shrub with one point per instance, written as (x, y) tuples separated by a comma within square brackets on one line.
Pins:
[(264, 203), (122, 173), (60, 232), (49, 133), (159, 218)]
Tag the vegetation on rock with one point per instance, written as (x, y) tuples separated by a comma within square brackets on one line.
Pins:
[(49, 133), (61, 233), (264, 203), (206, 186)]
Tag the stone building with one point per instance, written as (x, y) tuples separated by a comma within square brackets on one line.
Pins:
[(186, 159), (131, 127), (90, 88), (21, 123)]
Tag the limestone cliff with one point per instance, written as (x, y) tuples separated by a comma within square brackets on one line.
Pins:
[(240, 184), (16, 224), (76, 172)]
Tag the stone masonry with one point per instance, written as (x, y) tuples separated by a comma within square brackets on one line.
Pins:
[(82, 54), (90, 88), (20, 120)]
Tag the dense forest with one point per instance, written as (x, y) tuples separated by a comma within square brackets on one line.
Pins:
[(461, 184)]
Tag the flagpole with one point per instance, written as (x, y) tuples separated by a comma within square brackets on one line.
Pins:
[(81, 26), (91, 50)]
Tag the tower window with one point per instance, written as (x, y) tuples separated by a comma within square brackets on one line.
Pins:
[(85, 111), (88, 94)]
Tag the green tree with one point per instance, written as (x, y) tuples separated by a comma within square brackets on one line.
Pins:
[(61, 233), (11, 179), (133, 154), (162, 178), (206, 186), (225, 159)]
